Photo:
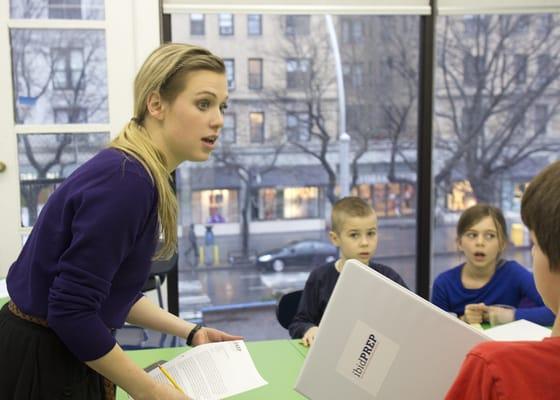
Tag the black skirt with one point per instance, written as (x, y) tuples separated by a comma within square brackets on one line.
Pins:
[(36, 365)]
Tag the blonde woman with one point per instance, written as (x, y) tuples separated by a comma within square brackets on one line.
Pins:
[(81, 271)]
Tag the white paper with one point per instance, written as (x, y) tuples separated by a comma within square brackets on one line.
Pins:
[(213, 371), (518, 330), (3, 289)]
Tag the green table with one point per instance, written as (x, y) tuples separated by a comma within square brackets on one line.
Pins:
[(278, 361), (4, 300)]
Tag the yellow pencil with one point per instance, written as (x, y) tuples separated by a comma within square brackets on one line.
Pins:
[(170, 379)]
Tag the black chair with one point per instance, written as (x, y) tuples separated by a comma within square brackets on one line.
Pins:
[(132, 337), (158, 271), (287, 306)]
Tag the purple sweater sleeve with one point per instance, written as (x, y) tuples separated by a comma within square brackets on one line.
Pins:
[(107, 220)]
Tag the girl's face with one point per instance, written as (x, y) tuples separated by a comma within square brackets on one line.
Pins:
[(481, 244), (191, 124)]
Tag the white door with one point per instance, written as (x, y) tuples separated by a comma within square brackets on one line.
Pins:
[(66, 73)]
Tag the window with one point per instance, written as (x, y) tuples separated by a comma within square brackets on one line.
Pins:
[(256, 121), (228, 130), (522, 24), (470, 23), (354, 74), (473, 67), (225, 22), (297, 73), (541, 119), (520, 68), (461, 196), (297, 126), (297, 25), (544, 25), (254, 24), (288, 203), (49, 71), (352, 30), (230, 72), (255, 73), (215, 206), (543, 67), (197, 24), (65, 9), (70, 115), (68, 68)]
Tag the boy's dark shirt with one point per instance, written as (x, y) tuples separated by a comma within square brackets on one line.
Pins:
[(317, 292)]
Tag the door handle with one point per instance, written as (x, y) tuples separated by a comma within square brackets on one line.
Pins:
[(2, 167)]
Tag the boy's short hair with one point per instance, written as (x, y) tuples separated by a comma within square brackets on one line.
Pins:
[(540, 212), (351, 206)]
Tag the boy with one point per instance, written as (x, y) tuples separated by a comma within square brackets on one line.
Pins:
[(525, 370), (354, 231)]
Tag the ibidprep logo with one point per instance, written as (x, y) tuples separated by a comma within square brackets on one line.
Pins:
[(365, 356)]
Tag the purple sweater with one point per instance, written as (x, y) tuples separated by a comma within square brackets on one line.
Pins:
[(89, 254)]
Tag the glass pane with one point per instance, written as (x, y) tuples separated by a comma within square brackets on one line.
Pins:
[(45, 160), (60, 76), (493, 104), (284, 164), (57, 9)]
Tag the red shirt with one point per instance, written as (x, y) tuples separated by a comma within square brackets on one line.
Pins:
[(510, 370)]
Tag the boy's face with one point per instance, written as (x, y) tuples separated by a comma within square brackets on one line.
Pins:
[(357, 238), (545, 280)]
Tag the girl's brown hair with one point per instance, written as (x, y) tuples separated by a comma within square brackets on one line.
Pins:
[(165, 72)]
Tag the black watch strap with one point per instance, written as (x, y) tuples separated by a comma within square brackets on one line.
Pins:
[(193, 331)]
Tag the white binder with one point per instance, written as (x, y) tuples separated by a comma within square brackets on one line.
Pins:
[(378, 340)]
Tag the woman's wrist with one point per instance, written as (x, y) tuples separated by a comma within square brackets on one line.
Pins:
[(192, 333)]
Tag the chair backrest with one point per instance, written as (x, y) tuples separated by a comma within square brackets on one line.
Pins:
[(160, 268), (287, 306)]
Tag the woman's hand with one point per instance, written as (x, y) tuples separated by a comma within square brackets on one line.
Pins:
[(474, 313), (210, 335), (309, 337)]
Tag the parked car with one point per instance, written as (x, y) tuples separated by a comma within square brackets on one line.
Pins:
[(301, 253)]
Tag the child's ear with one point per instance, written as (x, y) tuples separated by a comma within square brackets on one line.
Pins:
[(459, 245), (334, 238), (155, 105)]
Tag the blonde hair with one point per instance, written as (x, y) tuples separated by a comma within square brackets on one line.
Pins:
[(164, 72), (349, 207)]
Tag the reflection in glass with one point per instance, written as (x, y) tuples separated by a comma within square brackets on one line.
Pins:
[(493, 114), (60, 76), (284, 164), (57, 9), (45, 160)]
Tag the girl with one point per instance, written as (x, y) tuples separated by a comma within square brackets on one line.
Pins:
[(470, 289), (81, 271)]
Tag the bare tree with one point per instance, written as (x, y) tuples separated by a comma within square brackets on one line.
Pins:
[(311, 94), (308, 94), (382, 106), (490, 81), (247, 167), (59, 76)]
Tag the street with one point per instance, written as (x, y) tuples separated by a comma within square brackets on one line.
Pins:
[(247, 287)]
